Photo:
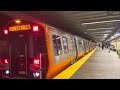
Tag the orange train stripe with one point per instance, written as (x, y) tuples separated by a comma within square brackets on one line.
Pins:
[(80, 54), (67, 73), (49, 50), (56, 69)]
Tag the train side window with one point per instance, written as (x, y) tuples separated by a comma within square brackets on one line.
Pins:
[(65, 45), (80, 44), (73, 44), (57, 45)]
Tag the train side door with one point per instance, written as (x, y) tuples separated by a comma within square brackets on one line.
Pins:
[(74, 50), (84, 45)]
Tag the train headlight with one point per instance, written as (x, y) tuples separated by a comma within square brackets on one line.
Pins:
[(36, 74), (7, 71), (5, 31)]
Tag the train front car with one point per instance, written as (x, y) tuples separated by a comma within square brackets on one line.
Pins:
[(26, 53), (38, 51)]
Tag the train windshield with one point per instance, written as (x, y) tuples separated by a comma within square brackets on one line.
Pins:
[(3, 49)]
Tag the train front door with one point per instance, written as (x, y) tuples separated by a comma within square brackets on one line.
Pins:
[(18, 57)]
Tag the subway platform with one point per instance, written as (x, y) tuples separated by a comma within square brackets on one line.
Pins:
[(99, 65)]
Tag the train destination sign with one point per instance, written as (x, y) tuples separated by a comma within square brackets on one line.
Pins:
[(20, 27)]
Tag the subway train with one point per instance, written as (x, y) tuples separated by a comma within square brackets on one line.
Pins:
[(36, 50)]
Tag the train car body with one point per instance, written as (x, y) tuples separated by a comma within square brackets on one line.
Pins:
[(37, 50)]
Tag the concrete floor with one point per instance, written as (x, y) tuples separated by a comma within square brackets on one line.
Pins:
[(101, 65)]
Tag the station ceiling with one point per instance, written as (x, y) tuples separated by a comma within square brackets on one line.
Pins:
[(92, 25)]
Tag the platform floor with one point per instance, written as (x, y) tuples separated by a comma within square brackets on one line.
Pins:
[(101, 65)]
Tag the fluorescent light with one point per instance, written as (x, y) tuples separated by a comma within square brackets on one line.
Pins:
[(112, 37), (99, 37), (103, 32), (106, 34), (100, 22), (101, 28), (97, 34)]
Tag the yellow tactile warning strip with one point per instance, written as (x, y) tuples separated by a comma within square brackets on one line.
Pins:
[(67, 73)]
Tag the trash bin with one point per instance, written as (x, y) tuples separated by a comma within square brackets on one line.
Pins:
[(118, 52), (112, 48)]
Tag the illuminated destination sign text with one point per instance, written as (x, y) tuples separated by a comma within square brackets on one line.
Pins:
[(20, 27)]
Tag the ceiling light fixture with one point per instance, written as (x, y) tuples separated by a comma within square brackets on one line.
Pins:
[(100, 22), (101, 28), (103, 32)]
